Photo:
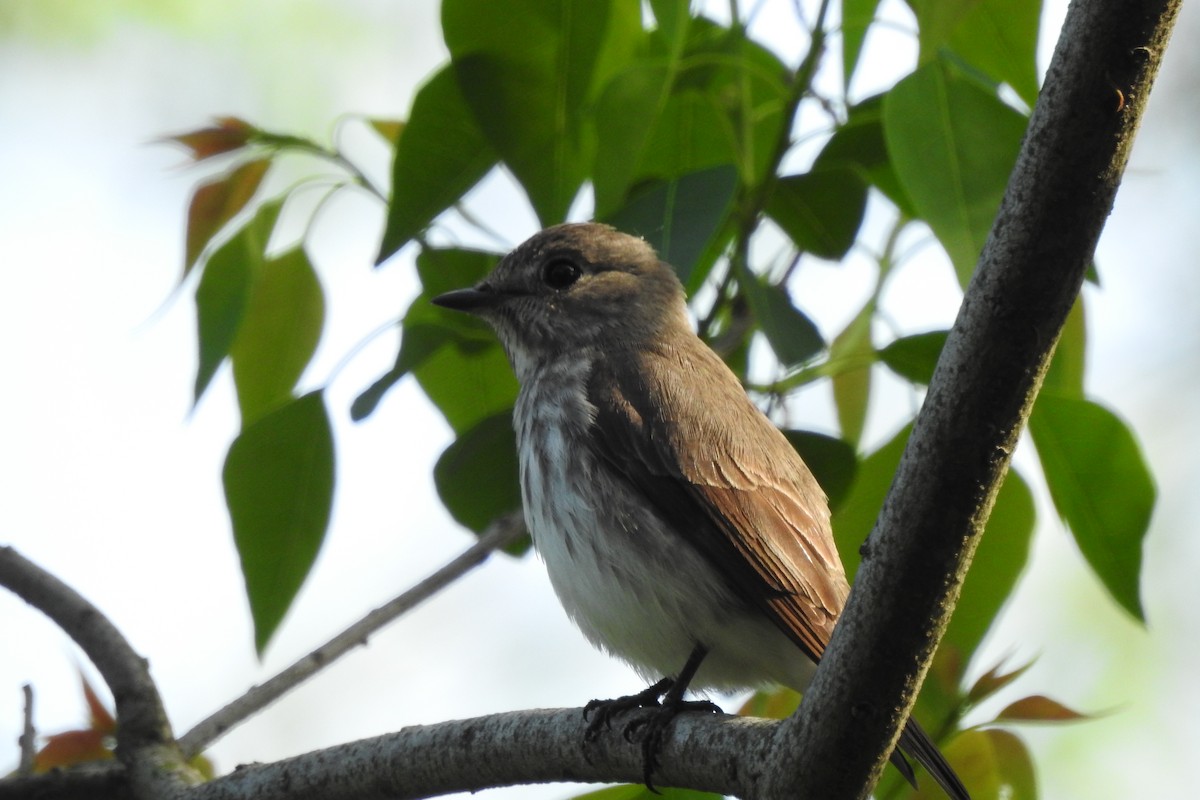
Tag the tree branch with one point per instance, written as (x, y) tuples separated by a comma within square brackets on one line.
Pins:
[(502, 532), (145, 744), (704, 752), (1030, 272)]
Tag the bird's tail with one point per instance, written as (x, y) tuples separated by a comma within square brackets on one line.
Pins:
[(917, 744)]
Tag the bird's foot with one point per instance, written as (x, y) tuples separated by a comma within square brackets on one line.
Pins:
[(649, 728)]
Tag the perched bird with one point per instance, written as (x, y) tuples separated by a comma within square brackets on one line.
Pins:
[(681, 531)]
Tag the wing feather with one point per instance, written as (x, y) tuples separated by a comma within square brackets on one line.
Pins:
[(724, 476)]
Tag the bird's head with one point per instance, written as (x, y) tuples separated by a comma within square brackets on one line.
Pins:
[(576, 286)]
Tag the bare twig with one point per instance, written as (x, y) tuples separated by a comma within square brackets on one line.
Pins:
[(504, 531), (144, 741), (28, 740)]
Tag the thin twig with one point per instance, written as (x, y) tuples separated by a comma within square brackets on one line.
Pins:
[(502, 532), (28, 738)]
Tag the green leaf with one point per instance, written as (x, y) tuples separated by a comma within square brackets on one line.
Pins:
[(1100, 485), (468, 382), (852, 384), (682, 217), (998, 37), (953, 144), (994, 763), (914, 357), (859, 145), (719, 101), (792, 335), (427, 328), (278, 335), (1067, 369), (216, 202), (833, 462), (224, 291), (857, 17), (529, 70), (999, 559), (820, 210), (279, 477), (442, 154), (477, 476)]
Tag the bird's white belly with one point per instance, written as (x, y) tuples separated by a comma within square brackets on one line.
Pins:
[(634, 587)]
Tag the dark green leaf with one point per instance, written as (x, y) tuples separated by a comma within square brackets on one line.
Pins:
[(441, 155), (528, 70), (278, 478), (224, 291), (914, 357), (216, 202), (792, 335), (418, 343), (859, 146), (477, 475), (1100, 485), (820, 210), (680, 218), (278, 335), (952, 144), (831, 460)]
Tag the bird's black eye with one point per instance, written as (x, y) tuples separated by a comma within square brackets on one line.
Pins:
[(559, 273)]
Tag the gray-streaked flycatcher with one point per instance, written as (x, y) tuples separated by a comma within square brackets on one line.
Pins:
[(681, 530)]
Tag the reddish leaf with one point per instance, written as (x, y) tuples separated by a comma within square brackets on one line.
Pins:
[(72, 747), (229, 134), (993, 681), (101, 719), (216, 202), (1039, 708)]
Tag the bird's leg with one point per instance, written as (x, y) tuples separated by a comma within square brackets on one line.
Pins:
[(652, 727)]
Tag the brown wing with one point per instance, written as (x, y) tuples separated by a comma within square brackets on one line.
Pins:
[(734, 488)]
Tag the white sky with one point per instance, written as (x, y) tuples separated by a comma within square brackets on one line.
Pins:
[(108, 480)]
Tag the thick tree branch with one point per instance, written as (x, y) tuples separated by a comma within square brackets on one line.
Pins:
[(502, 532), (704, 752), (1030, 272), (145, 744)]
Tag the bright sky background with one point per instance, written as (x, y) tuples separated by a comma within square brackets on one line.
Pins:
[(111, 481)]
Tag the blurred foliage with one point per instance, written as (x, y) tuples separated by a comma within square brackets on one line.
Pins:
[(678, 125)]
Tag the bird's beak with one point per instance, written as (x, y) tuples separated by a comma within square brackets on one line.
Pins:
[(470, 300)]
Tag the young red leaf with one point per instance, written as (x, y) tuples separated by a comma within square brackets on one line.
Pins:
[(1039, 708), (216, 202), (227, 135)]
